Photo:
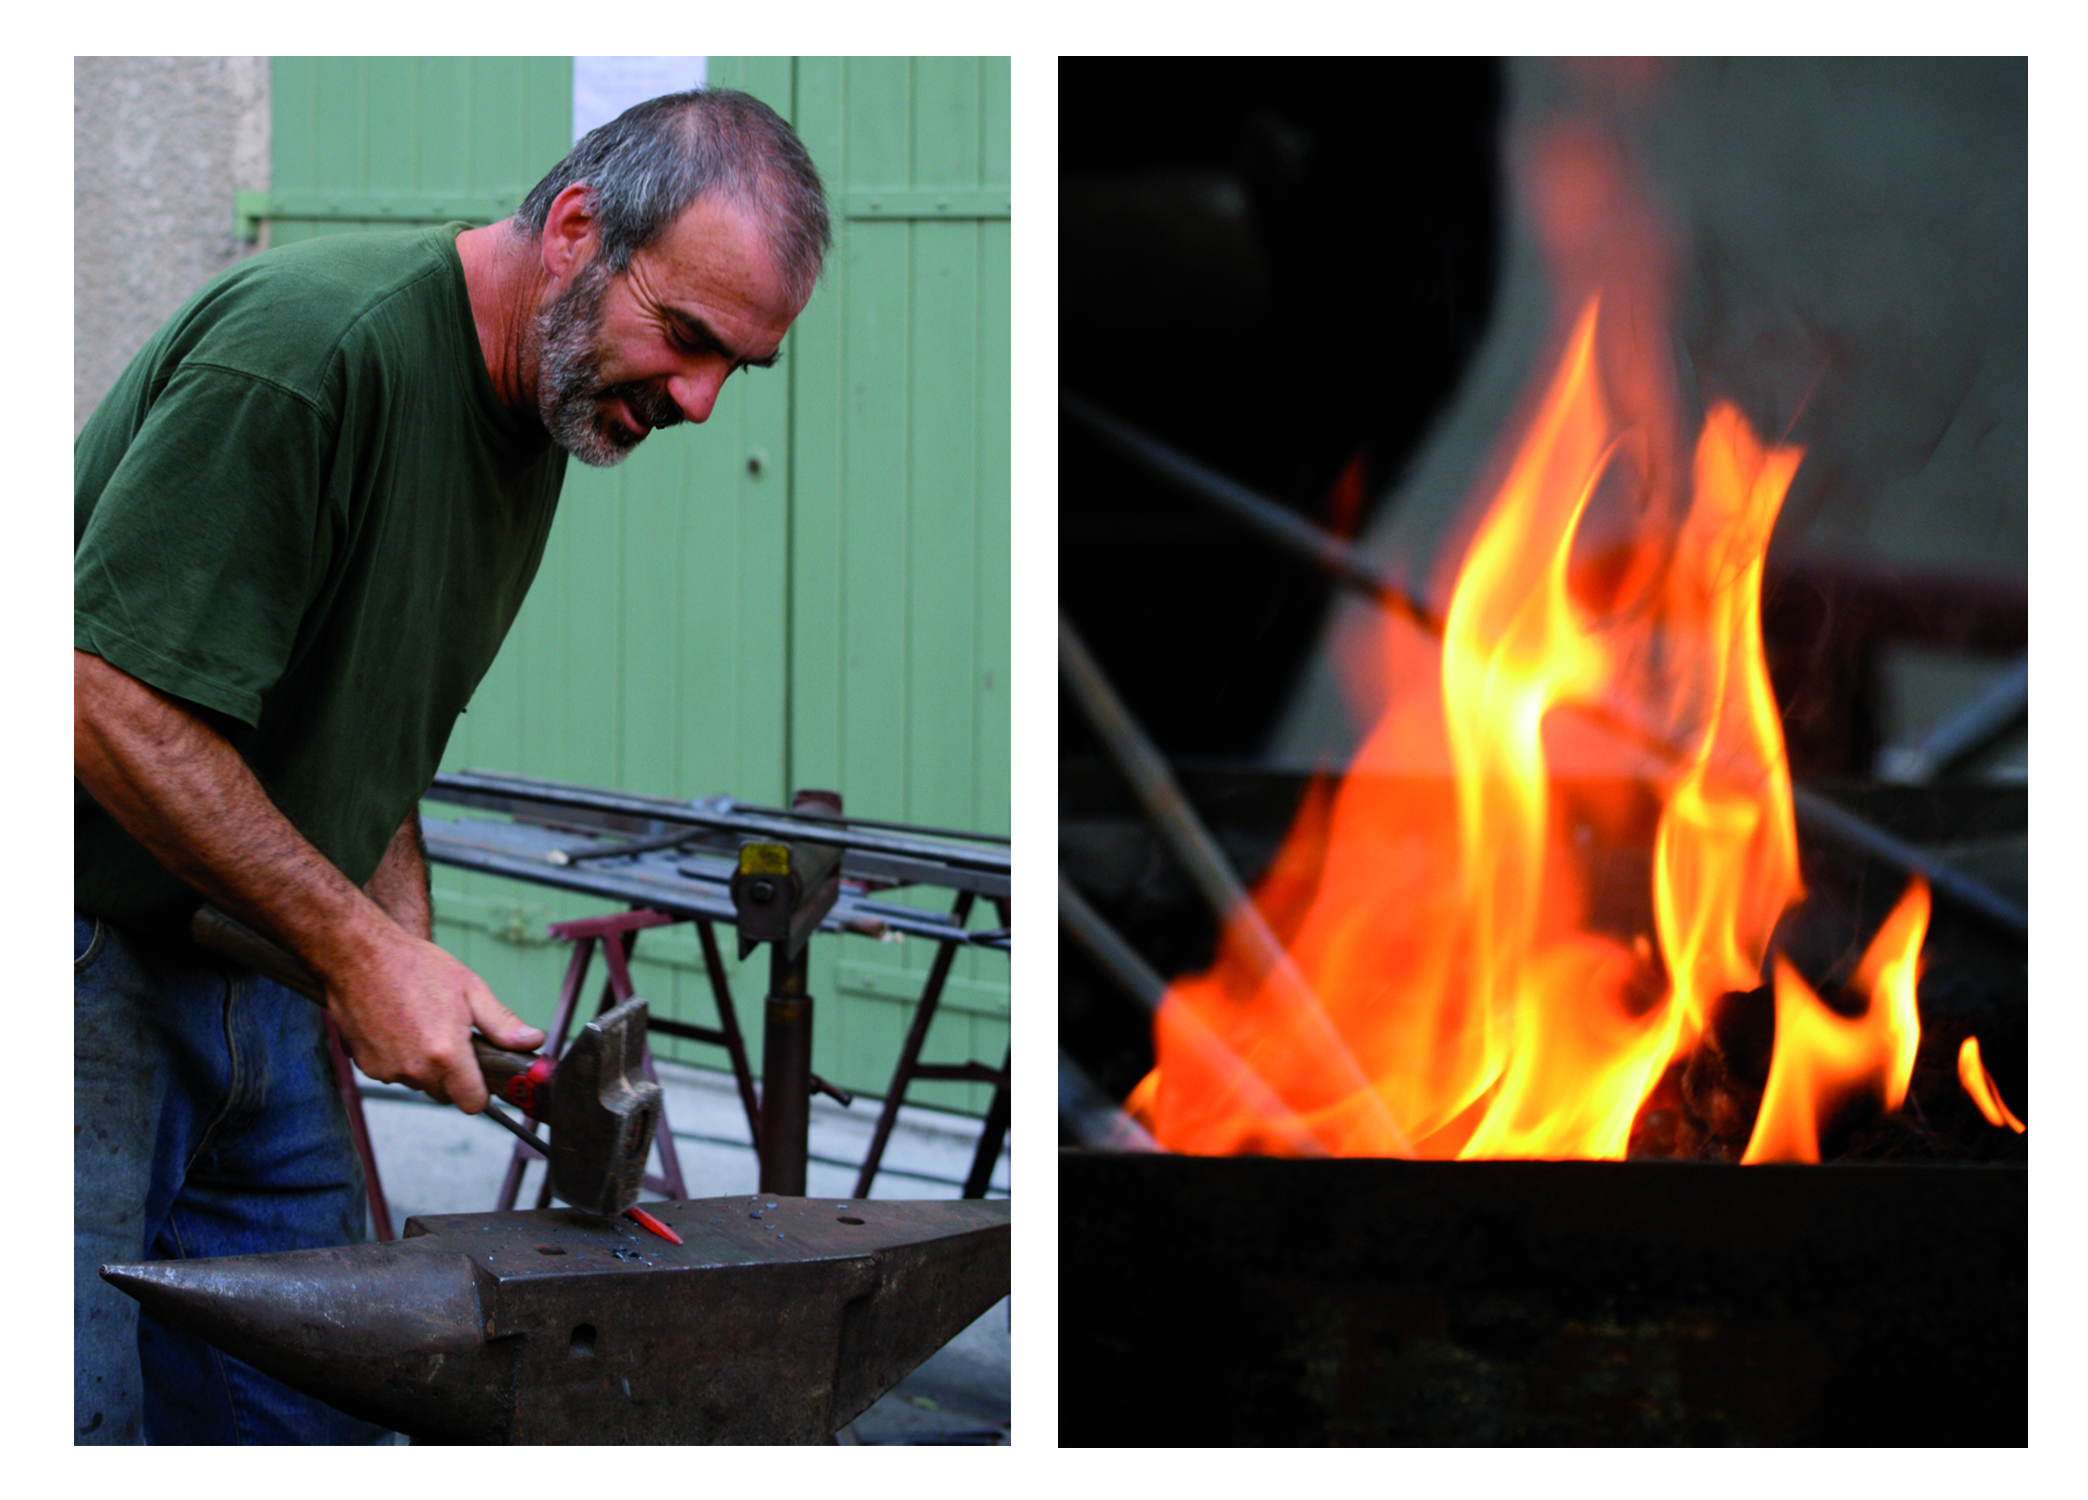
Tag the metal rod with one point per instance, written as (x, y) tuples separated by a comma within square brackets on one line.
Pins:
[(786, 1068), (1348, 566), (508, 1123), (1969, 732), (619, 851), (1287, 529), (475, 788), (1102, 942), (728, 1027), (1213, 876), (1144, 984), (992, 1132), (910, 1050), (915, 828), (1091, 1117)]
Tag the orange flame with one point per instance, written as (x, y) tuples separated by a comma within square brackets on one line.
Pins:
[(1822, 1059), (1979, 1083), (1448, 945), (1454, 974)]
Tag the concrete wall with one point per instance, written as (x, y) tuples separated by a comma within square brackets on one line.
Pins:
[(160, 144)]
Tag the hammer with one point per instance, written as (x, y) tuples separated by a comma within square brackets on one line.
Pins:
[(600, 1107)]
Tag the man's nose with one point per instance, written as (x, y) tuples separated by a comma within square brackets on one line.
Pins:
[(697, 392)]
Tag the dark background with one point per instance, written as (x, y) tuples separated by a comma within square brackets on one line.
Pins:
[(1281, 267)]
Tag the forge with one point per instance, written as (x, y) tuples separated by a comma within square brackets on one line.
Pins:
[(1580, 995), (1878, 1298)]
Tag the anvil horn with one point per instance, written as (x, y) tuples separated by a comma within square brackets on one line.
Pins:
[(776, 1320)]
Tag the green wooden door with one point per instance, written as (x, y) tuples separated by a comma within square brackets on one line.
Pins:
[(809, 590)]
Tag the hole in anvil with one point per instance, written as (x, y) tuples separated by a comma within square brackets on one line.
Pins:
[(849, 1219), (582, 1346), (550, 1250)]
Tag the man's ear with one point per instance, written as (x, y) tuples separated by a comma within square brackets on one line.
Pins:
[(569, 237)]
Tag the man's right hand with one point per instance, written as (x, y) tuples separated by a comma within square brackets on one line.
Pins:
[(176, 785), (406, 1012)]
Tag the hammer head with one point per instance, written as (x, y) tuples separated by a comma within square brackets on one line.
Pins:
[(603, 1113)]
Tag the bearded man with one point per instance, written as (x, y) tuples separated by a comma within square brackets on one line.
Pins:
[(304, 519)]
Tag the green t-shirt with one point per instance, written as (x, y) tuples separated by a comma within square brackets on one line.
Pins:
[(304, 506)]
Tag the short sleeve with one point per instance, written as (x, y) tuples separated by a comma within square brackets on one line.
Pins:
[(209, 541)]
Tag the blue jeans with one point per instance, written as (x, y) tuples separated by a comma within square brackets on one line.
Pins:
[(206, 1122)]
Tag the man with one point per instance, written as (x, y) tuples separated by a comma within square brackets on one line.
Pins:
[(304, 519)]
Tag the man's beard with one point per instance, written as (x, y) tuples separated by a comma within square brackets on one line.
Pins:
[(580, 413)]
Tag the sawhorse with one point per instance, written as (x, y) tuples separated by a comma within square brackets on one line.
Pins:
[(994, 1129)]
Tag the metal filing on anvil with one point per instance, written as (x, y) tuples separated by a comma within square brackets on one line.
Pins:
[(778, 1321)]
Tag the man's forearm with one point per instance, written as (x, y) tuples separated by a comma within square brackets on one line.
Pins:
[(405, 1007), (178, 787), (400, 885)]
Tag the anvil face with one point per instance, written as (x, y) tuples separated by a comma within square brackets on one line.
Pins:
[(776, 1320)]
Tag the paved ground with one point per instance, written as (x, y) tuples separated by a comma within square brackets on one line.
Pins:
[(434, 1160)]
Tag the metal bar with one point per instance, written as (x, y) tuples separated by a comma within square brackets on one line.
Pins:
[(910, 1051), (852, 822), (471, 788), (1144, 984), (1091, 1117), (766, 1324), (1101, 942), (1825, 816), (618, 851), (1288, 530), (786, 1073), (677, 892), (621, 921), (992, 1132), (1208, 870), (728, 1022), (351, 1098), (1962, 736), (1346, 565), (895, 870)]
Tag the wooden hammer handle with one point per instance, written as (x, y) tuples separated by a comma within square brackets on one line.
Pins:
[(233, 939)]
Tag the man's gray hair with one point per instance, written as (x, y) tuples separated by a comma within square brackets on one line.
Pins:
[(652, 161)]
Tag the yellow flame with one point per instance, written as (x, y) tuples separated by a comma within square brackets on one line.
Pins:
[(1979, 1083), (1822, 1059)]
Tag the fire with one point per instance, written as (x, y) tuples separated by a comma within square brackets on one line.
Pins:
[(1822, 1059), (1979, 1083), (1448, 986)]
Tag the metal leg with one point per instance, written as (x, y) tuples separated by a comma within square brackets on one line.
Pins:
[(351, 1097), (991, 1134), (728, 1023), (909, 1054), (786, 1073)]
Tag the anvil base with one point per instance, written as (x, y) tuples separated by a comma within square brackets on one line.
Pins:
[(777, 1320)]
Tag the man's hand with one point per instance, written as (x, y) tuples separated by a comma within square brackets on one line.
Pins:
[(406, 1014), (176, 785)]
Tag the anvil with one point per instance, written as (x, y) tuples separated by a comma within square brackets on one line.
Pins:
[(777, 1320)]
